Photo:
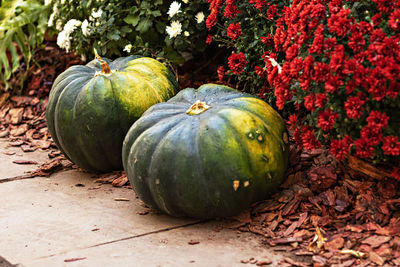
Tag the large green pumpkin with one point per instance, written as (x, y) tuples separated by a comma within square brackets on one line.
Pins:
[(91, 107), (206, 153)]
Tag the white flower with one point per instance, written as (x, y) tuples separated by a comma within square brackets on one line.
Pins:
[(71, 25), (63, 38), (174, 9), (47, 2), (63, 41), (175, 29), (128, 48), (185, 1), (50, 23), (200, 17), (97, 14), (85, 28), (59, 25), (186, 33)]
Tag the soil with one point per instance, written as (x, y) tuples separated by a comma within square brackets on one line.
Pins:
[(328, 212)]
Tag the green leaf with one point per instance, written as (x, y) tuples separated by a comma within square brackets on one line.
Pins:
[(132, 19), (144, 25)]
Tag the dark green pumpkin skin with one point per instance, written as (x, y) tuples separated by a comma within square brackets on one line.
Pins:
[(89, 113), (213, 164)]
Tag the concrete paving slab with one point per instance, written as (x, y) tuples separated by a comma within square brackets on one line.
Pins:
[(68, 211), (172, 248), (8, 169)]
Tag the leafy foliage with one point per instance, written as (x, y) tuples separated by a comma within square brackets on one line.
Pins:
[(116, 27), (22, 27)]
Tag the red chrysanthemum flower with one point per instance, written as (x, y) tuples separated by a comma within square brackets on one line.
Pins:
[(391, 145), (372, 134), (396, 173), (394, 21), (309, 102), (308, 139), (320, 100), (269, 40), (364, 149), (339, 23), (353, 107), (272, 11), (237, 62), (292, 121), (234, 31), (209, 39), (326, 119), (259, 4), (341, 148), (377, 119), (231, 9)]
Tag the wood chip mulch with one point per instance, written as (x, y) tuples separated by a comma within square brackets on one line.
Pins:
[(329, 213)]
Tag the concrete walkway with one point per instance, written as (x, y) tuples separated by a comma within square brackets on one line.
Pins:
[(69, 220)]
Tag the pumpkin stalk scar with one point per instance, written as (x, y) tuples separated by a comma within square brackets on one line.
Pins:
[(197, 108), (236, 184), (105, 69)]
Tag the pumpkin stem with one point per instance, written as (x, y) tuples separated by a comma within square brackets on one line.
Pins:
[(197, 108), (105, 69)]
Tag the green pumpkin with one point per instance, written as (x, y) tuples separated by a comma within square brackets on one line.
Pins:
[(206, 153), (91, 107)]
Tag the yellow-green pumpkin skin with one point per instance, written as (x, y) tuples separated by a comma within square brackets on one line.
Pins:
[(213, 164), (89, 112)]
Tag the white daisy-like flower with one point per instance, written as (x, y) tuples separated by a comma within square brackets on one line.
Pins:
[(85, 28), (50, 23), (71, 25), (63, 41), (174, 9), (200, 17), (174, 30), (97, 14), (128, 48), (63, 38)]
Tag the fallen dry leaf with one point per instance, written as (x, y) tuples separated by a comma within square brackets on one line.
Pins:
[(74, 259), (357, 254), (318, 241), (21, 161), (121, 199), (262, 262)]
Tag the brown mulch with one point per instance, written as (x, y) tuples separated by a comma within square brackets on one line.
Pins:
[(330, 213)]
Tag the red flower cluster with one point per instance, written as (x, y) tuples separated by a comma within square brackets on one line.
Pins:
[(237, 62), (234, 31), (350, 66), (212, 19), (338, 65)]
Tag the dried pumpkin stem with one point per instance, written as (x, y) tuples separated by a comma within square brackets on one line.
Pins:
[(105, 68), (197, 108)]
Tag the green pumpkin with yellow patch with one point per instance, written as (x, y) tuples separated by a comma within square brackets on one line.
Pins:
[(206, 153), (91, 107)]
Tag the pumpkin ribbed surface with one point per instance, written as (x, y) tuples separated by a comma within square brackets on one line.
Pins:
[(89, 112), (206, 153)]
